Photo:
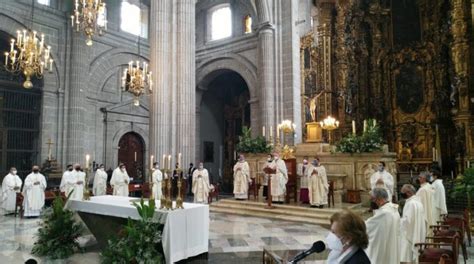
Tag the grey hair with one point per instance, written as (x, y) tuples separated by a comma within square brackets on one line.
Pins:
[(409, 187), (424, 174), (379, 193)]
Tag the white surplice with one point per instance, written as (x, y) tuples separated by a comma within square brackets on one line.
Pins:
[(100, 183), (34, 194), (318, 186), (279, 180), (387, 179), (241, 179), (201, 186), (439, 200), (68, 182), (412, 229), (78, 192), (119, 182), (383, 230), (426, 195), (301, 171), (10, 187), (157, 178)]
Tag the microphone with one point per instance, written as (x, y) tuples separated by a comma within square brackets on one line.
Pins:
[(317, 247)]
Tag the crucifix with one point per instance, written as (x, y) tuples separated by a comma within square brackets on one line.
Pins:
[(49, 143)]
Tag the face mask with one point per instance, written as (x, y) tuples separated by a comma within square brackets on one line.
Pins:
[(35, 170), (305, 162), (78, 169), (374, 205), (102, 169), (315, 163), (404, 195), (201, 167), (334, 242), (70, 169), (277, 157), (157, 167), (269, 159), (380, 168), (14, 172), (122, 169)]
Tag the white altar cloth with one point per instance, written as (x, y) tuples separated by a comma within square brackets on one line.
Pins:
[(185, 232)]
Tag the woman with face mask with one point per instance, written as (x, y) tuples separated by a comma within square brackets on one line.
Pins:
[(347, 239)]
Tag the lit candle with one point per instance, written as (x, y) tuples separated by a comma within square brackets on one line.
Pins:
[(271, 131), (278, 131), (87, 161), (353, 127), (163, 162), (179, 160), (12, 43), (263, 131), (452, 175), (135, 156), (169, 162), (51, 65), (375, 122), (365, 126), (151, 161), (6, 58), (434, 154)]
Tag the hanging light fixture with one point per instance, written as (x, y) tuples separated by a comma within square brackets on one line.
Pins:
[(28, 55), (89, 16), (137, 78)]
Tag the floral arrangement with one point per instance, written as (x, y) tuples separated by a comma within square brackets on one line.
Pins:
[(139, 241), (58, 232), (370, 140), (247, 144)]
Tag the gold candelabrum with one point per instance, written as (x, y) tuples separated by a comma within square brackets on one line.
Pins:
[(86, 193), (29, 56), (179, 198), (89, 16), (329, 124), (137, 79), (165, 199)]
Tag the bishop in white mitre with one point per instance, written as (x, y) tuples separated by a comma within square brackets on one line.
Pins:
[(440, 207), (279, 179), (383, 230), (412, 225), (33, 191), (99, 187), (120, 181), (426, 195), (201, 185), (317, 184), (382, 179), (241, 178), (157, 178), (11, 185)]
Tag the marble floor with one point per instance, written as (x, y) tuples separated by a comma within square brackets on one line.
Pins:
[(232, 239)]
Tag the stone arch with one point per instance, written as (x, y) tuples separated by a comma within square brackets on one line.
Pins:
[(124, 130)]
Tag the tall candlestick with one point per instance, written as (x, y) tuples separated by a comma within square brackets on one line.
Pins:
[(353, 127), (278, 131), (271, 131), (434, 154), (452, 175), (151, 161), (365, 126), (263, 131), (163, 162), (87, 161), (135, 156), (375, 122), (179, 160), (169, 162)]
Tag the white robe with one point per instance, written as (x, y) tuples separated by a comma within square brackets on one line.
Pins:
[(439, 200), (426, 194), (387, 179), (383, 230), (301, 171), (119, 182), (78, 193), (34, 194), (100, 183), (8, 196), (278, 181), (67, 182), (412, 229), (201, 186), (318, 186), (157, 178), (241, 180)]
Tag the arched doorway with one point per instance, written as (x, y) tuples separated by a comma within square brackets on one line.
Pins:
[(224, 111), (131, 152), (20, 111)]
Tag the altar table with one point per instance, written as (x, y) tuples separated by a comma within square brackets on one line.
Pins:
[(185, 232)]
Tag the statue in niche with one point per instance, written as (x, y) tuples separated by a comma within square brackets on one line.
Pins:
[(248, 24)]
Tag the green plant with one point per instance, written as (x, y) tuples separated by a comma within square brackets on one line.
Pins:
[(464, 186), (370, 140), (139, 241), (58, 232), (247, 144)]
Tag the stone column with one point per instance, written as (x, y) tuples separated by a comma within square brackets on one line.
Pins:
[(172, 112), (76, 126)]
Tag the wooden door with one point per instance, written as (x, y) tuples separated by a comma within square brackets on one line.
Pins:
[(131, 151)]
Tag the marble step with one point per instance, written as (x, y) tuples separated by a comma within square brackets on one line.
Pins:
[(292, 207)]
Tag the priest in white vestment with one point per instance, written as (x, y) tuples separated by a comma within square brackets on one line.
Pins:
[(79, 178), (241, 178), (383, 179), (426, 195), (317, 184), (99, 186), (301, 172), (440, 207), (201, 185), (157, 179), (120, 181), (279, 180), (67, 181), (383, 230), (11, 185), (33, 191), (412, 225)]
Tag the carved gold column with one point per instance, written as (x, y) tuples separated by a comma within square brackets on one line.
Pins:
[(460, 56), (341, 54)]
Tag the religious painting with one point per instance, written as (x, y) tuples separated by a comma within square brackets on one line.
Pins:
[(208, 151), (405, 22), (409, 89)]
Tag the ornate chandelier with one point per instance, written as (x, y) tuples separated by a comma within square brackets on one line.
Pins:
[(28, 56), (287, 126), (329, 123), (89, 16), (136, 80)]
